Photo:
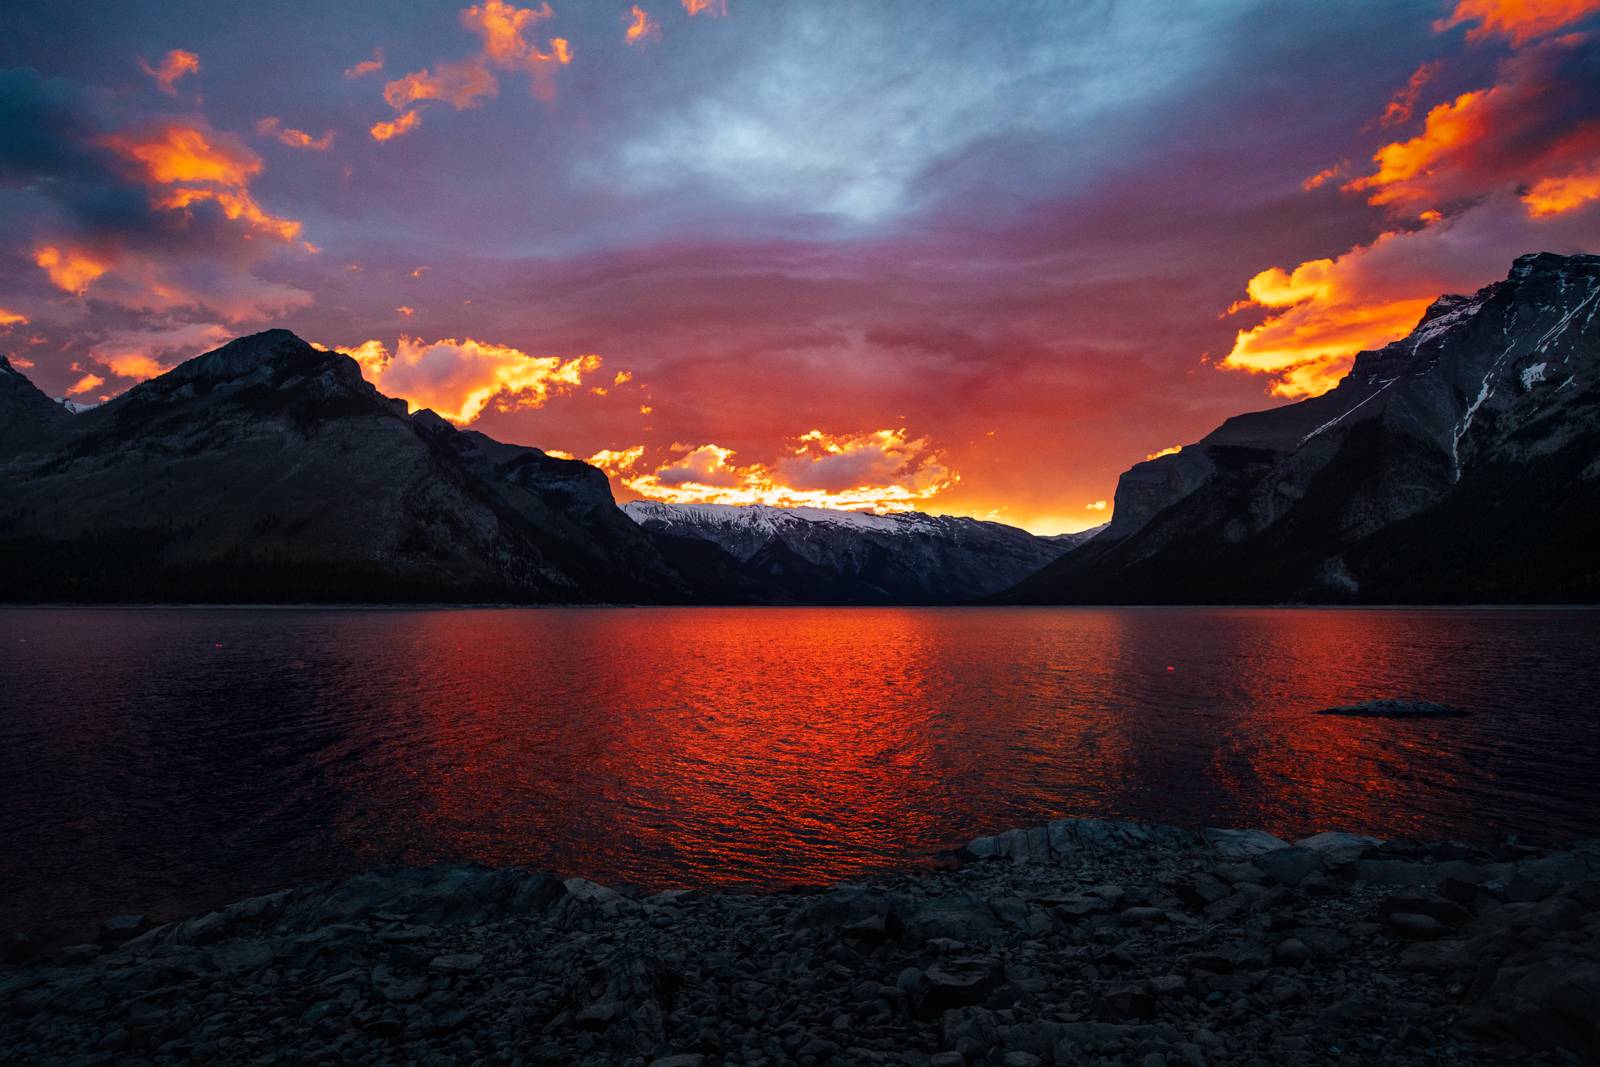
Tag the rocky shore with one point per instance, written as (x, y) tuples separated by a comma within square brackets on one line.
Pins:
[(1080, 942)]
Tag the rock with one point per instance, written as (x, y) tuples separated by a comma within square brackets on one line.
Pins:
[(122, 928), (1395, 709), (685, 1059), (1290, 865), (955, 983), (1409, 924), (1291, 952), (1142, 916), (1338, 847), (1239, 844), (456, 963), (1167, 985), (597, 1016)]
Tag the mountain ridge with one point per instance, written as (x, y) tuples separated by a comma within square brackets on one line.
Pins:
[(1448, 452)]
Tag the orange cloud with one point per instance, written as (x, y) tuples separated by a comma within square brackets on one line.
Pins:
[(1518, 20), (72, 270), (174, 65), (272, 127), (1538, 121), (1405, 101), (881, 471), (1328, 310), (641, 27), (461, 85), (503, 26), (366, 66), (87, 383), (406, 312), (622, 377), (1324, 176), (9, 319), (408, 121), (705, 7), (459, 379), (1097, 505), (172, 152), (1556, 196), (1172, 451)]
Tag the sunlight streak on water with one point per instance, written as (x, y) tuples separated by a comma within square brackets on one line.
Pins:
[(172, 759)]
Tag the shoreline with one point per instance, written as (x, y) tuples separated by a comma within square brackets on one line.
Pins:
[(1081, 941)]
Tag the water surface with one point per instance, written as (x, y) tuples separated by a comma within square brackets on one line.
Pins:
[(168, 760)]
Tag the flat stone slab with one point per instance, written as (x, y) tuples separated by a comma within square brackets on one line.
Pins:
[(1396, 709)]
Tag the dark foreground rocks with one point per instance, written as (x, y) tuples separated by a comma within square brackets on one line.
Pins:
[(1081, 942)]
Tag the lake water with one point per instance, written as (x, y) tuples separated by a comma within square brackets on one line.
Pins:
[(167, 760)]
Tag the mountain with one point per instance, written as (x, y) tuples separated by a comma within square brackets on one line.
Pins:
[(818, 555), (1460, 464), (270, 470), (25, 412)]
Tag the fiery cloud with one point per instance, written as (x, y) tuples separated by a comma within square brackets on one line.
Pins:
[(1172, 451), (1556, 196), (142, 354), (72, 270), (274, 128), (641, 27), (1540, 119), (202, 166), (1327, 312), (705, 7), (174, 65), (1528, 144), (366, 66), (404, 124), (459, 379), (1096, 505), (1404, 103), (461, 85), (85, 384), (1518, 20), (10, 318), (470, 82), (881, 471)]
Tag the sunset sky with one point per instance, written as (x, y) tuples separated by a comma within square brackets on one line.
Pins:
[(974, 258)]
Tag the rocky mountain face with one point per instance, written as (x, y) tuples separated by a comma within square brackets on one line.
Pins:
[(1460, 464), (818, 555), (25, 411), (269, 470)]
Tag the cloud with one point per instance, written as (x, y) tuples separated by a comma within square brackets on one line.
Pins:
[(641, 27), (1171, 450), (469, 83), (1473, 186), (1096, 505), (1518, 20), (174, 65), (705, 7), (1404, 102), (881, 470), (87, 383), (404, 124), (144, 353), (461, 85), (72, 270), (366, 66), (1540, 119), (9, 318), (459, 379), (273, 127)]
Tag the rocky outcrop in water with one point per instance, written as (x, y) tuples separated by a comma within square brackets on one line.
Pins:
[(1080, 942), (1456, 465)]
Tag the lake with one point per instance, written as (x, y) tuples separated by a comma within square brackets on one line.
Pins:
[(168, 760)]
